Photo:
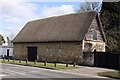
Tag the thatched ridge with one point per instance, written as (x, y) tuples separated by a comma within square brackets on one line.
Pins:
[(72, 27)]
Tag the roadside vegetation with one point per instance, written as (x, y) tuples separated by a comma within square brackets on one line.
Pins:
[(111, 74), (1, 39), (55, 66)]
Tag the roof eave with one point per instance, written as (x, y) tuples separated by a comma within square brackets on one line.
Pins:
[(101, 28)]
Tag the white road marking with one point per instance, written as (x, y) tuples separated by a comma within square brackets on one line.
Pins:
[(15, 72), (2, 75)]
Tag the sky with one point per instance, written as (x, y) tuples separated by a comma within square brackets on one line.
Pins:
[(14, 14)]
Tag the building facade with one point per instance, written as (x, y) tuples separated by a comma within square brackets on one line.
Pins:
[(62, 39), (6, 50)]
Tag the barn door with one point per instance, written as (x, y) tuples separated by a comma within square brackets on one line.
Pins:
[(32, 53)]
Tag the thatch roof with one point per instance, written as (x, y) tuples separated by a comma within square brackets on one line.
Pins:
[(72, 27)]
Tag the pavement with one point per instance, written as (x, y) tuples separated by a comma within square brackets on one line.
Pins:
[(18, 71), (85, 70)]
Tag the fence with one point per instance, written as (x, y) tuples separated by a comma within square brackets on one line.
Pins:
[(102, 59)]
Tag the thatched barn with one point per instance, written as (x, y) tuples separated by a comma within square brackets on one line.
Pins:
[(61, 38)]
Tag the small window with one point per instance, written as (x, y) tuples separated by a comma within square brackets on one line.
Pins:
[(91, 36), (94, 36)]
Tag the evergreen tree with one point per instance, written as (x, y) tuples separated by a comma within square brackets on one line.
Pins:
[(110, 20)]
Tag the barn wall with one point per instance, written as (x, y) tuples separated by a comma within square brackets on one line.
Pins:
[(58, 51), (93, 39)]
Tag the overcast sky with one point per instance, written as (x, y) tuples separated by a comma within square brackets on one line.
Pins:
[(14, 14)]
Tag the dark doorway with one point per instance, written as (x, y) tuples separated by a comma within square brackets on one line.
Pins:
[(7, 52), (32, 53)]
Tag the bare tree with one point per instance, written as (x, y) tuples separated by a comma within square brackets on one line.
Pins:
[(90, 6), (11, 36)]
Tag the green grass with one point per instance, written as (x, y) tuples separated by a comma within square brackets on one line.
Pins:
[(40, 65), (111, 74)]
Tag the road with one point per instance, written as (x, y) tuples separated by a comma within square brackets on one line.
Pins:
[(15, 72)]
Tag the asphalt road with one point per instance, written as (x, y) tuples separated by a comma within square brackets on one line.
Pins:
[(17, 72)]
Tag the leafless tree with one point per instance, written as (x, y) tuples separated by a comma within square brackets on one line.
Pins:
[(90, 6)]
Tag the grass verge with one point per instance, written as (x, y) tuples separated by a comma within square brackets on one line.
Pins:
[(40, 65), (111, 74)]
